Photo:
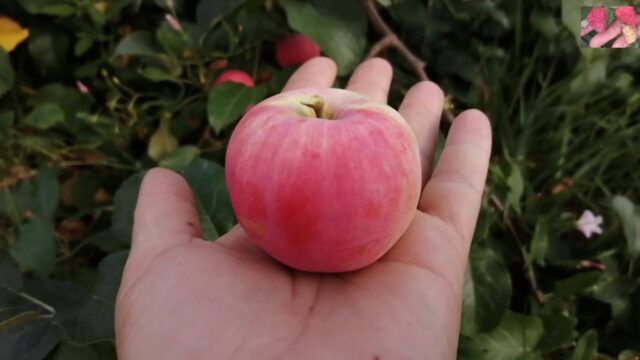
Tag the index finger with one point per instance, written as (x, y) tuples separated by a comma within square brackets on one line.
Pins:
[(319, 72)]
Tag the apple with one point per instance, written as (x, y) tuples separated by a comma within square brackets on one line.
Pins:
[(236, 76), (323, 180), (295, 50), (218, 64)]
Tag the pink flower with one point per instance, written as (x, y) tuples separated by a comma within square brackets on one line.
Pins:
[(589, 224), (173, 22), (82, 88)]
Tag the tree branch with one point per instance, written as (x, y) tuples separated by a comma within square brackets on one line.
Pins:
[(391, 40), (528, 266), (380, 46)]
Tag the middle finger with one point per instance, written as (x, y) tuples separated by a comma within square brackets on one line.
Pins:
[(372, 78)]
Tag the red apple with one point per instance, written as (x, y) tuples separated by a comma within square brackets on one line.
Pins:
[(295, 50), (218, 64), (236, 76), (323, 180)]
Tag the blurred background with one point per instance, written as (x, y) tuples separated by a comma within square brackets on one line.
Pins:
[(93, 92)]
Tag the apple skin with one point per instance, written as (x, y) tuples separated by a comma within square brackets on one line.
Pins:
[(323, 195), (295, 50), (236, 76)]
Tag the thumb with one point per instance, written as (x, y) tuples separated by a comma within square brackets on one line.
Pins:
[(165, 217)]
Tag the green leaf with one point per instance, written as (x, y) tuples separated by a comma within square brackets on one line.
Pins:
[(85, 317), (138, 43), (338, 26), (69, 351), (106, 350), (31, 340), (207, 181), (254, 32), (630, 218), (107, 241), (92, 322), (558, 332), (486, 293), (9, 273), (514, 339), (70, 100), (228, 101), (48, 7), (35, 249), (47, 193), (515, 181), (6, 120), (545, 23), (174, 42), (6, 73), (109, 276), (124, 204), (540, 241), (182, 157), (50, 51), (209, 231), (162, 143), (44, 116), (611, 15), (468, 349), (616, 292), (84, 43), (16, 200), (578, 283), (61, 10), (157, 74), (571, 11), (210, 11), (587, 346)]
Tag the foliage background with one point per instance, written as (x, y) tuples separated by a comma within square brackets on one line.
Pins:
[(566, 134)]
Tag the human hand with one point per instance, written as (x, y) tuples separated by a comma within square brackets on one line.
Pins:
[(185, 298)]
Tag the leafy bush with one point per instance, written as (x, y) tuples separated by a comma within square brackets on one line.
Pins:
[(98, 91)]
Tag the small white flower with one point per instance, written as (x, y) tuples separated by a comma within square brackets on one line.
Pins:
[(173, 22), (589, 224), (584, 23)]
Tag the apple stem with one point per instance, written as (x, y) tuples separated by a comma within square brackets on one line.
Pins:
[(316, 103)]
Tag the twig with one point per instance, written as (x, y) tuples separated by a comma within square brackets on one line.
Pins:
[(528, 267), (380, 46), (391, 40), (206, 136)]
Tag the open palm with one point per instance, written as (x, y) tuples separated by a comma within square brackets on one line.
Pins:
[(185, 298)]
